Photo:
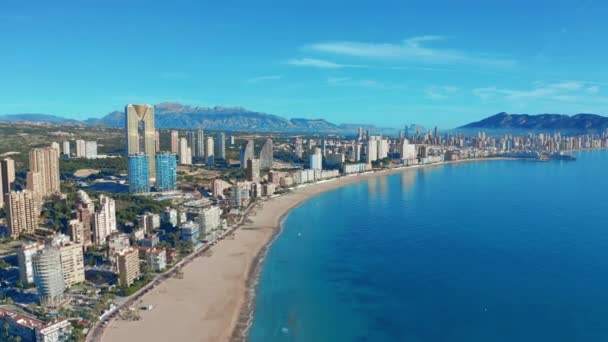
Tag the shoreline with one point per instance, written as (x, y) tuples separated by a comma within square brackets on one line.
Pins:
[(216, 299)]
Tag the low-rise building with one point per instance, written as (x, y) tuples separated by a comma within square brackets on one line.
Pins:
[(29, 328), (156, 259)]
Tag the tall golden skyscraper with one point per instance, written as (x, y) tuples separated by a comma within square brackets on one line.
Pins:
[(46, 162), (140, 133)]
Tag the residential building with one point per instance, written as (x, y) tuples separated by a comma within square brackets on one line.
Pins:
[(72, 263), (81, 148), (25, 255), (166, 172), (156, 141), (104, 220), (139, 180), (48, 276), (247, 152), (190, 232), (241, 194), (46, 161), (209, 220), (218, 187), (174, 142), (136, 115), (66, 149), (156, 259), (266, 155), (30, 329), (253, 170), (316, 160), (199, 146), (185, 153), (209, 150), (90, 150), (127, 262), (22, 212), (220, 146), (170, 216)]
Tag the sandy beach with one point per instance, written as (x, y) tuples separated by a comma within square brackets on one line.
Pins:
[(213, 301)]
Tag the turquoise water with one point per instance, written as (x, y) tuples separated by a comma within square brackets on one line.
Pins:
[(490, 251)]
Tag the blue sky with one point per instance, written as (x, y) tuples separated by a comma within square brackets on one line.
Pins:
[(442, 63)]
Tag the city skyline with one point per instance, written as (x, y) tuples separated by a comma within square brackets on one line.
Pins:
[(389, 61)]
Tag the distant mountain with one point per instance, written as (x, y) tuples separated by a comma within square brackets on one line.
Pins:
[(53, 119), (178, 116), (549, 122)]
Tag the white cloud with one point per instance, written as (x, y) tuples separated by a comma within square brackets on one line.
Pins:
[(441, 92), (560, 91), (318, 63), (414, 49), (265, 78)]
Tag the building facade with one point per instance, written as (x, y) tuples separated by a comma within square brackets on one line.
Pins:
[(141, 115), (166, 172), (139, 179)]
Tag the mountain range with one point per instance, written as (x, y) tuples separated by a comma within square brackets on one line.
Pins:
[(542, 122), (178, 116)]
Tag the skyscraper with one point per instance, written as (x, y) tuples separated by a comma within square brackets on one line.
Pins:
[(266, 155), (316, 160), (175, 142), (140, 131), (156, 141), (246, 152), (127, 266), (66, 149), (298, 147), (46, 161), (139, 179), (185, 152), (90, 150), (209, 152), (81, 147), (220, 146), (48, 276), (253, 170), (166, 172), (22, 212), (371, 152), (7, 178), (200, 143), (104, 220), (191, 137)]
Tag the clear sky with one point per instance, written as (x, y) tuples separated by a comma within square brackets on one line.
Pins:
[(442, 63)]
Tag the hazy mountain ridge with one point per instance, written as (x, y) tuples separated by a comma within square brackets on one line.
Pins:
[(506, 121)]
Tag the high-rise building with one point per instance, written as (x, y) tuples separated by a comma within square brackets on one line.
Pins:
[(220, 146), (81, 148), (185, 153), (55, 145), (316, 160), (190, 232), (104, 220), (174, 142), (298, 147), (371, 153), (253, 170), (209, 220), (46, 161), (66, 149), (191, 137), (22, 212), (72, 263), (156, 259), (90, 150), (34, 182), (128, 266), (139, 180), (141, 115), (266, 155), (7, 178), (241, 194), (247, 150), (218, 187), (166, 172), (209, 150), (156, 141), (48, 276), (199, 147), (83, 214), (25, 256)]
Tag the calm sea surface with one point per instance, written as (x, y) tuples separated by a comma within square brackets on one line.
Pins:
[(475, 252)]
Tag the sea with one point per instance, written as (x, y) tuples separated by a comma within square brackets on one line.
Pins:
[(491, 251)]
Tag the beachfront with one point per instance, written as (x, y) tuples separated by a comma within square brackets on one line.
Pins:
[(213, 301)]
